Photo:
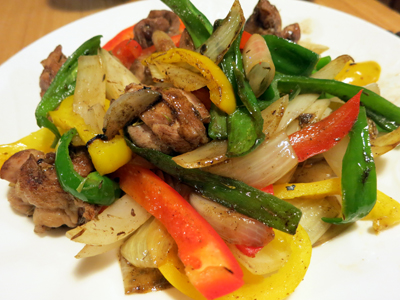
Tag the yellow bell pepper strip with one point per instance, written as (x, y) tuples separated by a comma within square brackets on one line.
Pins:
[(107, 156), (209, 264), (359, 74), (221, 91), (311, 190), (275, 287), (323, 135), (41, 140), (385, 213)]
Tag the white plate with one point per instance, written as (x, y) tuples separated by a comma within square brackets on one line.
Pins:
[(359, 265)]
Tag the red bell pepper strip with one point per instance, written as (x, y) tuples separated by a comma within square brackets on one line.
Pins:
[(209, 264), (323, 135), (125, 34), (268, 189), (244, 39), (127, 51), (248, 250)]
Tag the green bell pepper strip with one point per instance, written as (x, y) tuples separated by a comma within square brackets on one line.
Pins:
[(385, 113), (322, 62), (63, 85), (359, 186), (248, 98), (94, 188), (242, 133), (217, 128), (231, 193), (245, 124), (383, 123), (198, 26), (290, 58)]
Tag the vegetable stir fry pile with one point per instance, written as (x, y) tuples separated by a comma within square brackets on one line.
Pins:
[(212, 156)]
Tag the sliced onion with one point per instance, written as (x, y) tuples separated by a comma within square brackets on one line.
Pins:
[(261, 167), (312, 212), (93, 250), (326, 113), (373, 87), (332, 68), (386, 142), (296, 107), (207, 155), (232, 226), (313, 170), (117, 76), (273, 114), (90, 91), (314, 112), (334, 156), (180, 76), (148, 247), (301, 102), (126, 108), (222, 38), (115, 223), (258, 64), (270, 259)]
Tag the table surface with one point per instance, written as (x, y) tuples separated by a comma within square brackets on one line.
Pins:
[(23, 21)]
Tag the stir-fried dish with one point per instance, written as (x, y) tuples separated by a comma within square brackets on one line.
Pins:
[(212, 156)]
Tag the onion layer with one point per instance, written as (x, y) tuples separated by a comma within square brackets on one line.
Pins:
[(261, 167), (90, 91), (222, 38), (313, 210), (233, 227), (126, 108), (269, 259), (148, 247)]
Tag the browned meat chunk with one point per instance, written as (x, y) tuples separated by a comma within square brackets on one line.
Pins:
[(264, 20), (162, 121), (267, 20), (35, 190), (177, 121), (163, 20), (191, 126), (143, 137), (51, 66), (292, 32), (11, 167)]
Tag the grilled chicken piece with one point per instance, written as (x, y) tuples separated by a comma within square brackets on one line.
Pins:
[(35, 190), (177, 121), (266, 19), (51, 66), (163, 20)]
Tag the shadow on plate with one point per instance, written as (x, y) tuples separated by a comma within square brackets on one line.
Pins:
[(90, 265)]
